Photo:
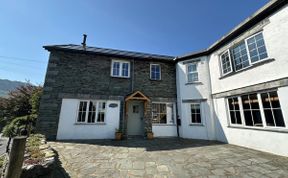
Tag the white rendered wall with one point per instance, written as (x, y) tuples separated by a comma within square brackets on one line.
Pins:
[(276, 39), (195, 91), (169, 129), (164, 130), (67, 129), (268, 141)]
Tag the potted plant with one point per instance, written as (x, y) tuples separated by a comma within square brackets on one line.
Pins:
[(149, 134), (118, 134)]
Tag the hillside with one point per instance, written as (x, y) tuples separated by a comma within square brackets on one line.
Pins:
[(8, 85)]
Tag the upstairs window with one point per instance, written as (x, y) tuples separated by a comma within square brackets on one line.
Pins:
[(155, 72), (226, 63), (240, 57), (120, 69), (256, 47), (244, 54), (91, 112), (192, 74)]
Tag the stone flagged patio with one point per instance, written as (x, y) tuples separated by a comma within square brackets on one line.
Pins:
[(169, 158)]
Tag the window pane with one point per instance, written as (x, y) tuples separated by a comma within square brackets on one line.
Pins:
[(240, 57), (125, 69), (159, 113), (272, 109), (92, 110), (257, 118), (245, 102), (82, 111), (254, 101), (195, 113), (278, 118), (192, 67), (248, 118), (116, 69), (256, 47), (155, 72), (274, 100), (233, 117), (269, 117), (225, 60)]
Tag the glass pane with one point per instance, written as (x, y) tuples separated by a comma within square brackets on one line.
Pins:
[(233, 117), (269, 117), (238, 117), (248, 118), (278, 118), (257, 118), (254, 101), (245, 102), (192, 68), (274, 99), (265, 100)]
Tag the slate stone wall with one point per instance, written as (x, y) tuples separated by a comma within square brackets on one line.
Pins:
[(87, 76)]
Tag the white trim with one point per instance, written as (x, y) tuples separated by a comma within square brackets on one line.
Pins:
[(87, 112), (263, 118), (187, 72), (201, 114), (120, 68), (231, 66), (159, 71)]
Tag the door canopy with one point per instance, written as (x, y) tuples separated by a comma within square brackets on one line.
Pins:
[(137, 96)]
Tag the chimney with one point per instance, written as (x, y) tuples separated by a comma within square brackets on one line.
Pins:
[(84, 41)]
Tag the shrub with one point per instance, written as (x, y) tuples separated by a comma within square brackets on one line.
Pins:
[(16, 125)]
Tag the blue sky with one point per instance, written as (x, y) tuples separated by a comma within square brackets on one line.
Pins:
[(170, 27)]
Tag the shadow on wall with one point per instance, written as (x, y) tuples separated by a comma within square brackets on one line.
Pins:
[(200, 91), (156, 144)]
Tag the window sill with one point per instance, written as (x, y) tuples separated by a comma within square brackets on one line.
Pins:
[(163, 124), (200, 125), (156, 80), (120, 77), (262, 62), (90, 124), (194, 83), (267, 129)]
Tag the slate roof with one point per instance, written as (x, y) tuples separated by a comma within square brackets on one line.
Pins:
[(106, 51)]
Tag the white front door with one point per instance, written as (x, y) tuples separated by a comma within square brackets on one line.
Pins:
[(135, 118)]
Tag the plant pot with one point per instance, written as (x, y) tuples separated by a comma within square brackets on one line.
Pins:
[(150, 135), (118, 135)]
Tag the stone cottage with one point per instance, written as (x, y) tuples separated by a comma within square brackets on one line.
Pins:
[(235, 91)]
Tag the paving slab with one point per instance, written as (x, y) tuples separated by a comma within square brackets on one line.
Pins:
[(171, 158)]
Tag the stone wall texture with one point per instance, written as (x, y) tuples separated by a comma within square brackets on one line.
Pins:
[(87, 76)]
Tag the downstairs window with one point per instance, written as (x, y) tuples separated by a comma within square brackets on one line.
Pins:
[(91, 112)]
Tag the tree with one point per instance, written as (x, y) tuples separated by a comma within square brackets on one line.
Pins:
[(20, 108)]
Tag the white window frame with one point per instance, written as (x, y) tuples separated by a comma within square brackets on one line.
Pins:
[(87, 112), (240, 109), (120, 68), (187, 72), (159, 71), (169, 121), (247, 48), (248, 54), (263, 118), (231, 66), (201, 115)]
